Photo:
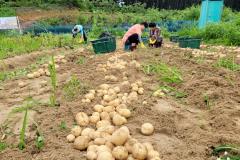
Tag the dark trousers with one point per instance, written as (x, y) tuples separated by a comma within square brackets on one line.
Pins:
[(134, 38)]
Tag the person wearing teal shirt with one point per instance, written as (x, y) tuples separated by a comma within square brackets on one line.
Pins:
[(79, 29)]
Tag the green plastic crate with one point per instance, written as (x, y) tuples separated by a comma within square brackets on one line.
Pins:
[(190, 43), (104, 45)]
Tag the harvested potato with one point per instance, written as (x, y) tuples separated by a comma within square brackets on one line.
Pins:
[(120, 153), (87, 131), (119, 120), (89, 96), (114, 103), (125, 78), (76, 131), (94, 118), (107, 129), (121, 106), (107, 98), (64, 61), (109, 145), (98, 108), (152, 154), (91, 155), (92, 91), (120, 136), (81, 142), (30, 76), (111, 114), (117, 89), (47, 73), (92, 148), (36, 74), (129, 144), (41, 71), (108, 109), (148, 146), (94, 135), (90, 143), (103, 123), (104, 86), (105, 92), (140, 91), (147, 129), (103, 148), (105, 156), (82, 119), (104, 103), (144, 103), (99, 141), (139, 83), (134, 87), (88, 101), (139, 151), (43, 83), (111, 92), (133, 96), (124, 112), (130, 157), (22, 84), (105, 116), (70, 138)]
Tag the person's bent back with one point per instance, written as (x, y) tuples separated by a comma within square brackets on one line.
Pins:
[(133, 36)]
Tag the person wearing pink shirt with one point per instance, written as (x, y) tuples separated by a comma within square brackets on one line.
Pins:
[(133, 36)]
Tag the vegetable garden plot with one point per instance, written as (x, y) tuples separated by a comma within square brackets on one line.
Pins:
[(189, 126)]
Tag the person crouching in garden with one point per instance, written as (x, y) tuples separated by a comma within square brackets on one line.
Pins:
[(132, 37), (155, 39), (79, 29)]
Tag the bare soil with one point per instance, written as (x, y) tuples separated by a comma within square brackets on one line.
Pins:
[(185, 128)]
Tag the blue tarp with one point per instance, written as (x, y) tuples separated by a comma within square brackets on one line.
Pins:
[(171, 26)]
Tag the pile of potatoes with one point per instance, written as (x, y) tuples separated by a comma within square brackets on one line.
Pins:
[(107, 142), (103, 134), (43, 70), (89, 97)]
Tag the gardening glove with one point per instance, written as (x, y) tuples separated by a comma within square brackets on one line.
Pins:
[(152, 41), (142, 45), (81, 41)]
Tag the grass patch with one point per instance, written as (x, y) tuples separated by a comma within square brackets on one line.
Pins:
[(207, 101), (74, 87), (39, 142), (20, 44), (63, 125), (233, 152), (7, 11), (165, 73), (7, 75), (3, 146), (29, 103), (228, 63), (22, 143), (173, 92)]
